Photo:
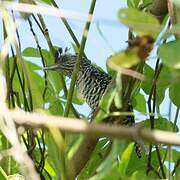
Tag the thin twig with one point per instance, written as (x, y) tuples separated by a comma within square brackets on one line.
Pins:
[(42, 58), (152, 110), (176, 166), (160, 162), (176, 118)]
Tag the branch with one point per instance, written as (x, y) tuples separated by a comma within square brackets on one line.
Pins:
[(174, 12), (95, 130), (159, 9)]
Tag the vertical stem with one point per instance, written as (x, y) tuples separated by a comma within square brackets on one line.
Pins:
[(160, 162), (169, 162), (79, 59), (176, 118)]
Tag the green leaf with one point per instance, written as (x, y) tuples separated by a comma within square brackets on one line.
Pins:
[(133, 3), (36, 82), (47, 1), (53, 77), (31, 52), (77, 98), (160, 123), (170, 54), (3, 175), (96, 158), (117, 148), (163, 82), (136, 164), (124, 59), (54, 155), (139, 103), (138, 3), (141, 22), (125, 158), (49, 169), (56, 107), (113, 174), (139, 175), (147, 82), (174, 93)]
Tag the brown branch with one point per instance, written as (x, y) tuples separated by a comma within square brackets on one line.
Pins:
[(174, 12), (95, 130), (81, 157), (159, 9)]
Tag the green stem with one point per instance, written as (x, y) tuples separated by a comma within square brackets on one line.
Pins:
[(2, 172), (79, 59), (160, 162)]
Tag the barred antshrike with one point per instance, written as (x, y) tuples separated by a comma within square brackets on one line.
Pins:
[(91, 80)]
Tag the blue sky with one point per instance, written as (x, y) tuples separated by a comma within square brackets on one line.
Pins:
[(96, 48)]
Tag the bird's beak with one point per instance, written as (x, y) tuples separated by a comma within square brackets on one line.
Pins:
[(52, 67)]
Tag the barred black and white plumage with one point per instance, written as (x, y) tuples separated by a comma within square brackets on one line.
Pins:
[(91, 81)]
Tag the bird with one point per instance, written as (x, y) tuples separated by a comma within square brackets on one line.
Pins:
[(91, 82)]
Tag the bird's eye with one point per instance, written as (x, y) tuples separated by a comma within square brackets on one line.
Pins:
[(58, 54)]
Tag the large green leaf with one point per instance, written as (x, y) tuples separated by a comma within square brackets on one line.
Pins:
[(124, 59), (56, 107), (138, 3), (174, 93), (36, 82), (47, 1), (137, 164), (54, 155), (133, 3), (170, 54), (31, 52), (163, 82), (77, 97), (139, 103), (96, 158), (125, 158), (117, 149), (141, 22), (147, 82), (159, 123), (55, 85)]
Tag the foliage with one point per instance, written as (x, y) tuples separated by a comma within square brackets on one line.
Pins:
[(32, 89)]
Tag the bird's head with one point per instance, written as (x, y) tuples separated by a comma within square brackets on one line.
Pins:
[(64, 62)]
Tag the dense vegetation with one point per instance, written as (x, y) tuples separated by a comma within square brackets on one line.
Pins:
[(31, 149)]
